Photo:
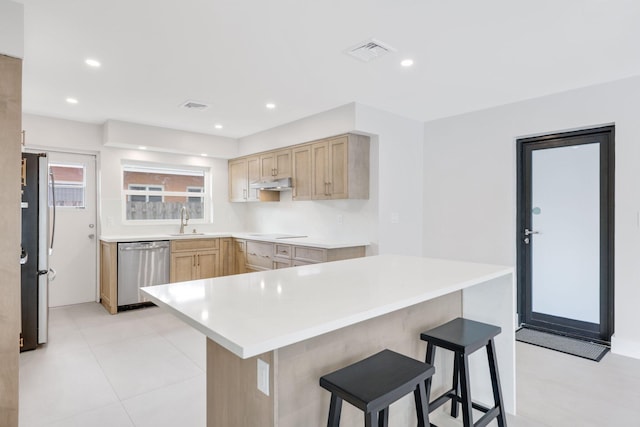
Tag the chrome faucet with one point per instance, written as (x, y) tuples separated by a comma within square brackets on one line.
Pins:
[(184, 219)]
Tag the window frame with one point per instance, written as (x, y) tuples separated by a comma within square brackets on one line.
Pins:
[(206, 195), (69, 184)]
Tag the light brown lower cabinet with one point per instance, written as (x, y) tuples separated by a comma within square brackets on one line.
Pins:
[(194, 259), (109, 276), (227, 257), (262, 256), (240, 260)]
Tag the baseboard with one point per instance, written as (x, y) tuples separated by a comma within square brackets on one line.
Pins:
[(625, 347)]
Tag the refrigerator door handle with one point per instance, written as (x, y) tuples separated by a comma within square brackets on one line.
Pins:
[(53, 215)]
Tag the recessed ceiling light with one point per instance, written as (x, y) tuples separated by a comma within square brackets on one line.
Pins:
[(92, 63), (72, 100), (218, 126), (407, 62), (142, 147), (204, 154), (270, 106)]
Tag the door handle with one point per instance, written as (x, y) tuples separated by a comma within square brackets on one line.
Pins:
[(528, 232), (91, 236)]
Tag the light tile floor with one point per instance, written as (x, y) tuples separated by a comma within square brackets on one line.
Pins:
[(138, 368), (147, 368)]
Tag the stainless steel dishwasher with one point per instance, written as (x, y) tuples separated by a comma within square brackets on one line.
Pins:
[(141, 264)]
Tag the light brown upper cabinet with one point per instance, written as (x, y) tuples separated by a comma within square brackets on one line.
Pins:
[(301, 172), (243, 172), (340, 168), (331, 168), (238, 180), (275, 164)]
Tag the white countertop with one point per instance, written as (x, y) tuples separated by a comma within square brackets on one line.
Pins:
[(316, 242), (254, 313)]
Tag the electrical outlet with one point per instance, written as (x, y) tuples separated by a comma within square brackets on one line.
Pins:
[(263, 376)]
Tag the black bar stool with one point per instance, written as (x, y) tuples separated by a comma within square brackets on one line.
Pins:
[(463, 337), (374, 383)]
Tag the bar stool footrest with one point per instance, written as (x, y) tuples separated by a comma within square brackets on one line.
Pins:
[(487, 417), (442, 399)]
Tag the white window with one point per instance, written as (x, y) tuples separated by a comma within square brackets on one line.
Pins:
[(156, 193), (70, 185)]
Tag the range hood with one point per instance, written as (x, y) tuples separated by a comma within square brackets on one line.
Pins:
[(281, 184)]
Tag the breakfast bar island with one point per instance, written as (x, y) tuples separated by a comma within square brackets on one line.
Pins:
[(271, 335)]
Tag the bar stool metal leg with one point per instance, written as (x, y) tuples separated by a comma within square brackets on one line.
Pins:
[(456, 387), (335, 409), (465, 388), (383, 417), (495, 382), (422, 409), (431, 355), (370, 419)]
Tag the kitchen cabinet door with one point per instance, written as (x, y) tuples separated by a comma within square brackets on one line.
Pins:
[(183, 267), (208, 264), (227, 257), (320, 171), (275, 164), (253, 175), (267, 167), (282, 163), (238, 181), (338, 185), (240, 257), (301, 172)]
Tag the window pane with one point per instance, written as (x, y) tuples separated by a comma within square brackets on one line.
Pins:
[(164, 181), (69, 188), (162, 210)]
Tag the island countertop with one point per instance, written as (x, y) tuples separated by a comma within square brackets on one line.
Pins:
[(254, 313)]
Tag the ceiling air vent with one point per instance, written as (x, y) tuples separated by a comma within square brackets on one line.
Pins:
[(194, 105), (369, 50)]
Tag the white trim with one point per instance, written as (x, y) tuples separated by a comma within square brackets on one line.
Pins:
[(625, 347)]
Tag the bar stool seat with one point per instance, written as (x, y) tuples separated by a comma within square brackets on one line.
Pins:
[(463, 337), (372, 384)]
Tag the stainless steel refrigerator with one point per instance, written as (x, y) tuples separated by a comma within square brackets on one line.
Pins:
[(37, 244)]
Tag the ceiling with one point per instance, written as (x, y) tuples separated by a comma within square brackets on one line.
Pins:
[(238, 55)]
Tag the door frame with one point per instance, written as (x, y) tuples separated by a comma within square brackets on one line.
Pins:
[(605, 328)]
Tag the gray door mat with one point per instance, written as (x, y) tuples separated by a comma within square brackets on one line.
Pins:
[(575, 347)]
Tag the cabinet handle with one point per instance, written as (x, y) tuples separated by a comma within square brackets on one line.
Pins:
[(198, 260)]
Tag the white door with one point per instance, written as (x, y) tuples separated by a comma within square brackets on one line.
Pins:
[(75, 241)]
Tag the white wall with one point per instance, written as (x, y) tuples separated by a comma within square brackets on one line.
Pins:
[(470, 174), (45, 133), (395, 179), (132, 135), (226, 216), (400, 152), (11, 29), (332, 122)]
